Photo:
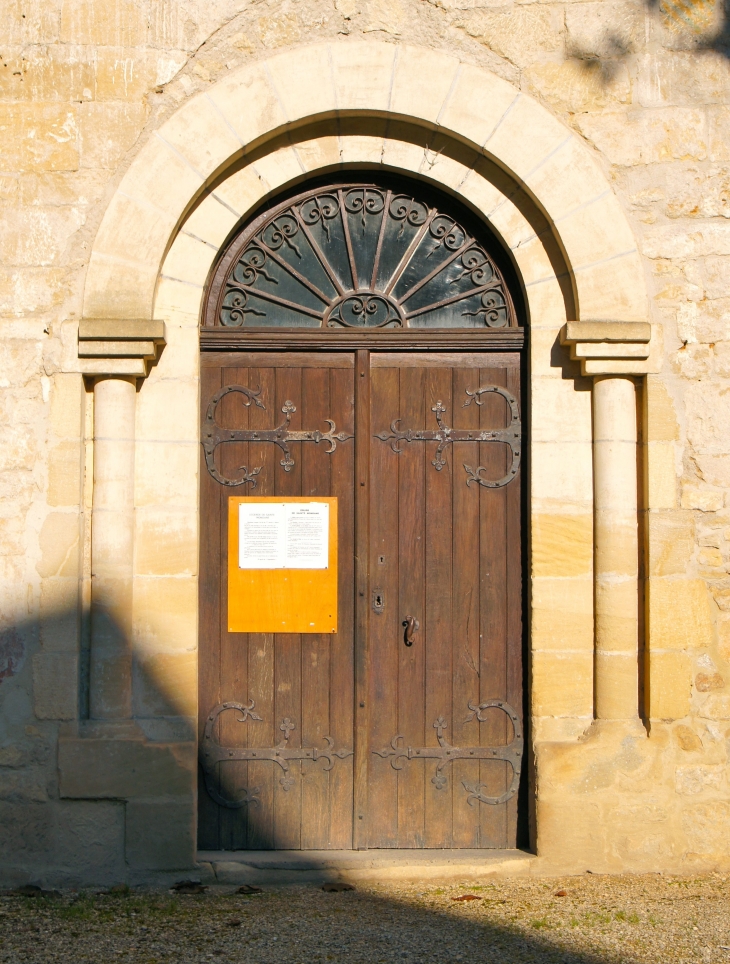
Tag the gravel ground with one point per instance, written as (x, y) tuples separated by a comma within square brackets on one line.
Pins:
[(576, 920)]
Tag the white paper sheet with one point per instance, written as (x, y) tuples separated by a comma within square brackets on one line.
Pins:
[(283, 535)]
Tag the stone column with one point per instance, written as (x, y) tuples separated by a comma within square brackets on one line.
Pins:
[(616, 548), (112, 541), (614, 353)]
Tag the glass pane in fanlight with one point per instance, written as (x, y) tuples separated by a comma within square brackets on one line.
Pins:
[(405, 219), (364, 208), (296, 251), (274, 279), (321, 214)]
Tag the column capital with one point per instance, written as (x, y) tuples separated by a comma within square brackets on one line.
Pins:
[(125, 346), (614, 347)]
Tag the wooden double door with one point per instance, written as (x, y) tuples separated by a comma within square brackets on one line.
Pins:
[(404, 728)]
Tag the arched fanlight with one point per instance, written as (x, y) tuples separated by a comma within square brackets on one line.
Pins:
[(359, 256)]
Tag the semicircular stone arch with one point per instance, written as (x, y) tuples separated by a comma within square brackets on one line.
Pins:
[(189, 154)]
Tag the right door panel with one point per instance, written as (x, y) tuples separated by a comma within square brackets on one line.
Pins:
[(446, 584)]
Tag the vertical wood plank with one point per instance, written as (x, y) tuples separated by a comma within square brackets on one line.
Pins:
[(341, 681), (315, 666), (514, 590), (361, 762), (288, 646), (436, 639), (386, 633), (466, 629), (411, 660), (261, 645), (234, 646), (209, 599), (493, 413)]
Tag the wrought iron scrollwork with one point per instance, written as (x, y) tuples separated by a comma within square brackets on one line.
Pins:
[(213, 753), (362, 256), (445, 753), (444, 435), (213, 435)]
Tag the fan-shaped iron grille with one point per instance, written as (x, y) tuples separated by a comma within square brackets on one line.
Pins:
[(359, 256)]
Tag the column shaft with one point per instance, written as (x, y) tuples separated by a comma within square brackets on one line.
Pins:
[(112, 539), (616, 548)]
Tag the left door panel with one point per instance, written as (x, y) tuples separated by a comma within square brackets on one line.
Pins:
[(290, 689)]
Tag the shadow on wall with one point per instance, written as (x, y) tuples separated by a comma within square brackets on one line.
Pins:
[(76, 807), (689, 26)]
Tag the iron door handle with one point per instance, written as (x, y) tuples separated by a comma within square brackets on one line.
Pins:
[(411, 625)]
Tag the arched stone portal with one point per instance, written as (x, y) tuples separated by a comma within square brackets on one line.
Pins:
[(270, 126)]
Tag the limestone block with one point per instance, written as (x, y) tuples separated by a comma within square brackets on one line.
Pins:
[(303, 81), (661, 476), (669, 685), (124, 769), (128, 73), (181, 356), (39, 136), (716, 707), (562, 613), (362, 75), (177, 302), (201, 135), (160, 835), (319, 152), (165, 541), (723, 632), (119, 290), (134, 231), (421, 82), (707, 239), (68, 843), (64, 474), (166, 613), (122, 24), (530, 254), (562, 545), (55, 686), (547, 135), (679, 614), (166, 473), (565, 468), (562, 684), (560, 406), (477, 105), (45, 76), (168, 410), (687, 739), (707, 827), (59, 540), (277, 168), (242, 191), (166, 684), (521, 34), (579, 199), (671, 542), (211, 221), (189, 259), (108, 131), (680, 77), (27, 785), (249, 103), (578, 86), (702, 498), (619, 293), (647, 137), (398, 151), (595, 32), (67, 406)]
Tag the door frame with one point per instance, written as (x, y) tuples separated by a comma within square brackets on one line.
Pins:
[(215, 342)]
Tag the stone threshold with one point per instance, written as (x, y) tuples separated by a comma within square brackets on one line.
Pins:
[(261, 867)]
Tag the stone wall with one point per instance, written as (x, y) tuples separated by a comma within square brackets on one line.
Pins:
[(84, 86)]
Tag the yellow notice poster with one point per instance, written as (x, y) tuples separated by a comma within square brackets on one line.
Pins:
[(282, 565)]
